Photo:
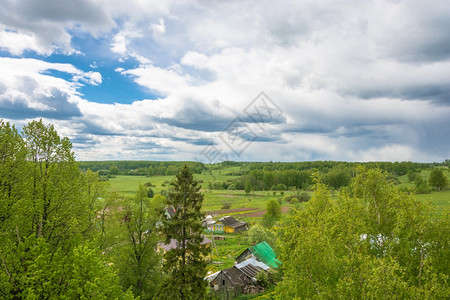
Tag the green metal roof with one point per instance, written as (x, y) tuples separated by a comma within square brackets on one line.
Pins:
[(264, 253)]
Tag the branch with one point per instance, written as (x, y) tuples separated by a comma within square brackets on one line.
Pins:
[(310, 278)]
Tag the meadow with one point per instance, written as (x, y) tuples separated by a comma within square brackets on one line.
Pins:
[(256, 200), (244, 207)]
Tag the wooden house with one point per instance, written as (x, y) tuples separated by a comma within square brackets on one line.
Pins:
[(230, 282), (262, 252), (215, 226), (231, 225)]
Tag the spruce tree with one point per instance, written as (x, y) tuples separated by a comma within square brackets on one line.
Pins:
[(184, 265)]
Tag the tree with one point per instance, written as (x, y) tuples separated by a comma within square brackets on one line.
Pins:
[(372, 242), (421, 185), (184, 266), (136, 257), (248, 187), (258, 234), (150, 193), (273, 209), (437, 179), (273, 213), (44, 234), (113, 170), (14, 181)]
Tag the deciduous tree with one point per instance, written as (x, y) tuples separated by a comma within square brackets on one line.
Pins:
[(437, 179)]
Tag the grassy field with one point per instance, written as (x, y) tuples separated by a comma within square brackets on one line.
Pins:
[(215, 199), (224, 252), (439, 199)]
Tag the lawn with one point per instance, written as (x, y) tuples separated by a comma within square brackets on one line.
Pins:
[(439, 199), (214, 199)]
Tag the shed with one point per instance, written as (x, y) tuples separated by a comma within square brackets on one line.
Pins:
[(262, 252)]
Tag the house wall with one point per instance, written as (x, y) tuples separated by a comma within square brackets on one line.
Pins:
[(243, 256), (218, 227), (224, 288), (228, 229), (221, 282), (240, 229)]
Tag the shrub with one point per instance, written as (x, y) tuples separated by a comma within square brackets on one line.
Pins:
[(226, 204)]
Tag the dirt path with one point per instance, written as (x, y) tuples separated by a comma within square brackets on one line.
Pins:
[(284, 209), (233, 210)]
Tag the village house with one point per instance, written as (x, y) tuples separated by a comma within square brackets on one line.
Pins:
[(261, 252), (226, 225), (242, 277), (231, 282)]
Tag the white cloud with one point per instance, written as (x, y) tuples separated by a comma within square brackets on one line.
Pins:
[(159, 79), (355, 80), (158, 28)]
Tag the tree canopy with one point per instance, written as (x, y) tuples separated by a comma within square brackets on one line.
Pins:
[(437, 179), (184, 264), (372, 242), (46, 215)]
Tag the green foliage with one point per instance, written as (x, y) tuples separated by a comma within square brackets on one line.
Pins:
[(150, 193), (273, 209), (226, 204), (48, 213), (372, 242), (113, 170), (184, 266), (437, 179), (248, 187), (281, 187), (258, 233), (144, 168), (299, 196), (421, 185), (135, 257), (262, 279), (412, 175)]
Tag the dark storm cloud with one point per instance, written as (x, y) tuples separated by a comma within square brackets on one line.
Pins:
[(438, 93), (29, 13), (57, 105), (144, 146), (93, 127), (82, 142), (198, 118), (424, 36), (194, 141)]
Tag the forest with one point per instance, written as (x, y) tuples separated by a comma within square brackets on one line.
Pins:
[(67, 233)]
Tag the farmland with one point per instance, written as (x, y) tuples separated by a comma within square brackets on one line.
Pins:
[(252, 202)]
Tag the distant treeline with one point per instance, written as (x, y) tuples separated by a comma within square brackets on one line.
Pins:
[(143, 168), (297, 175)]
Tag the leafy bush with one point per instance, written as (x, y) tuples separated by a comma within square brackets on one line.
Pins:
[(226, 204)]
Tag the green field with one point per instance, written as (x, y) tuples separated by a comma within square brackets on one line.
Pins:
[(224, 252), (439, 199), (214, 199)]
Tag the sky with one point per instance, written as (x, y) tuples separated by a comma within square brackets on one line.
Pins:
[(232, 80)]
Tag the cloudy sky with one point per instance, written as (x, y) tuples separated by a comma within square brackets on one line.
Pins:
[(238, 80)]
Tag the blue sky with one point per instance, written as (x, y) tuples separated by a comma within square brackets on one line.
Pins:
[(238, 80)]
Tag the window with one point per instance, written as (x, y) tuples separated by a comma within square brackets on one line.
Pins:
[(223, 282)]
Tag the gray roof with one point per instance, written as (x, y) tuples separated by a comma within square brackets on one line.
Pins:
[(173, 243), (238, 224), (236, 276), (231, 222), (251, 270)]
